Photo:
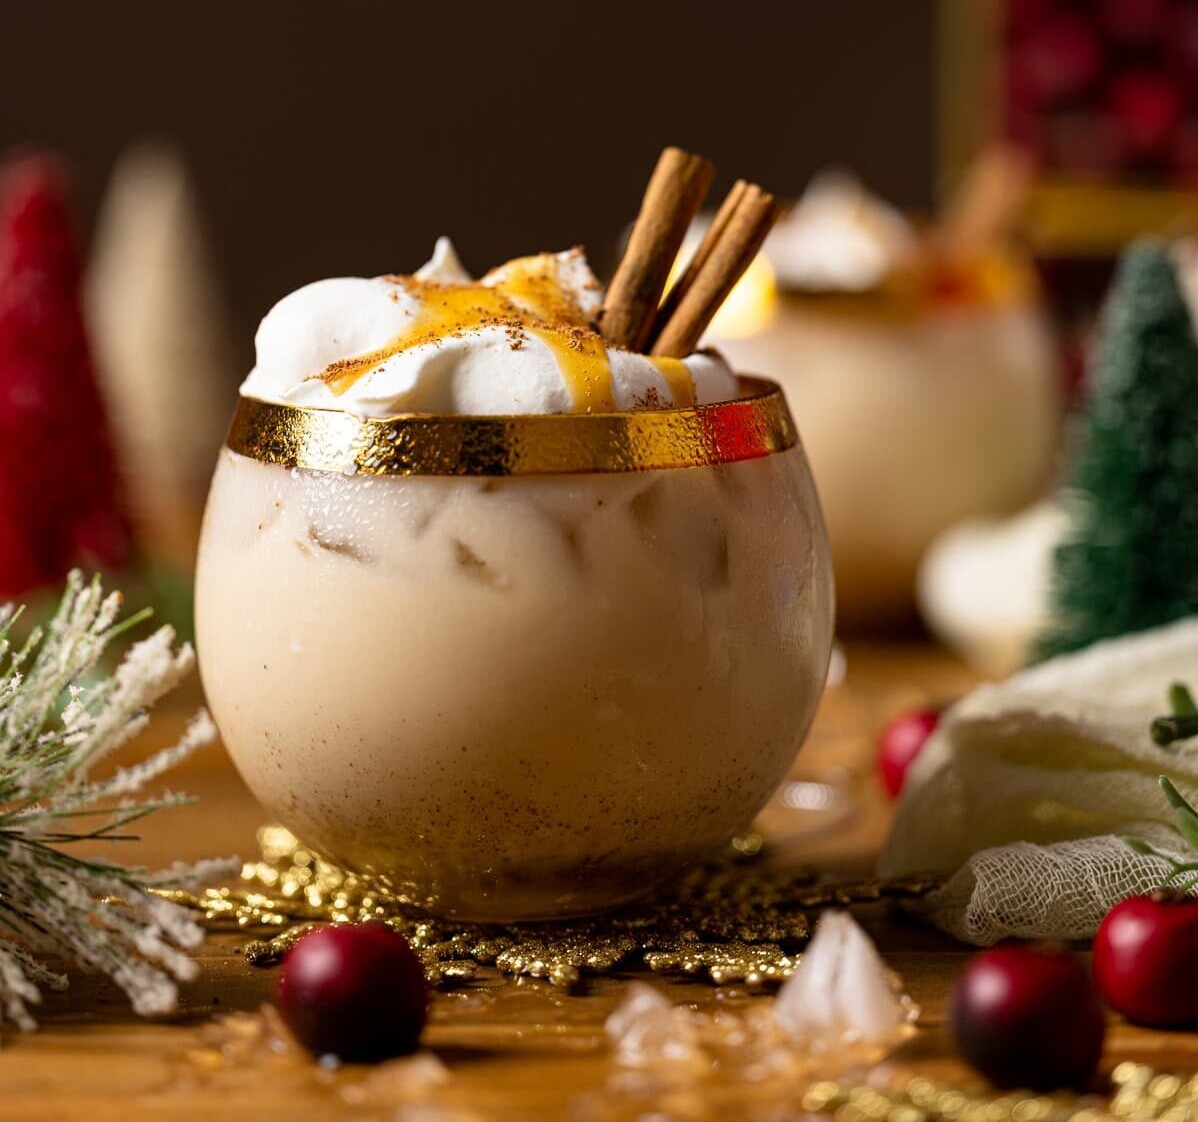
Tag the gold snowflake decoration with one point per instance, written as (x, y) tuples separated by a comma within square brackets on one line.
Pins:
[(733, 920)]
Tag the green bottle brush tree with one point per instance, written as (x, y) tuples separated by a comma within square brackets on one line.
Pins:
[(1131, 559)]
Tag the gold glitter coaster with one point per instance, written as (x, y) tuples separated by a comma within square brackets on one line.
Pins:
[(729, 921)]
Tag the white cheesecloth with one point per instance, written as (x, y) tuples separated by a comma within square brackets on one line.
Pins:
[(1025, 791)]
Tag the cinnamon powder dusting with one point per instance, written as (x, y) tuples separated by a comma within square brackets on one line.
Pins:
[(527, 299)]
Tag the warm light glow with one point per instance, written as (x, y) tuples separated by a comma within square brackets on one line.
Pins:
[(805, 795), (750, 305)]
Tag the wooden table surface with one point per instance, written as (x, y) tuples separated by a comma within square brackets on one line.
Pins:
[(513, 1051)]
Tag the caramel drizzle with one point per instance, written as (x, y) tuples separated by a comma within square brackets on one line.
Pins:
[(677, 378), (528, 301), (582, 359)]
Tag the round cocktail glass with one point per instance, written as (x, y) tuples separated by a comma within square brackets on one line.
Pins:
[(917, 415), (515, 667)]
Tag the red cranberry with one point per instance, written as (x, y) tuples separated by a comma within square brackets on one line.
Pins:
[(1085, 141), (355, 990), (1134, 21), (1022, 15), (1184, 151), (1144, 955), (1059, 57), (1146, 108), (901, 741), (1028, 1016)]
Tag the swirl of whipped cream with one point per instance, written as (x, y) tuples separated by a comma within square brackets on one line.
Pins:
[(520, 340), (839, 238)]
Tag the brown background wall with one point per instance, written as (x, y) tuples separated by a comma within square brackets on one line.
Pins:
[(341, 137)]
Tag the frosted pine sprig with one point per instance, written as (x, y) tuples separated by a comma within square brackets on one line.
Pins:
[(57, 721)]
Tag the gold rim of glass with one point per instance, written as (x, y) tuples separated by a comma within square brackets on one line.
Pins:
[(755, 424)]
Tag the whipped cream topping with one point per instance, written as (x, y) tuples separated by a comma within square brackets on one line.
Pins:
[(839, 238), (520, 340)]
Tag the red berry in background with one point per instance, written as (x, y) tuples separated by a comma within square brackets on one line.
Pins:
[(357, 991), (1181, 43), (1134, 21), (1184, 152), (59, 496), (1058, 58), (1028, 1016), (1084, 142), (1020, 15), (901, 741), (1146, 109), (1145, 954)]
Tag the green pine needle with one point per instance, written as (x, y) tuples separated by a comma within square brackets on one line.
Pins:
[(1167, 730), (1184, 814), (54, 731), (1181, 701)]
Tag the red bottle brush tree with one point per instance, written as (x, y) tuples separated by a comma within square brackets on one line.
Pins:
[(59, 489)]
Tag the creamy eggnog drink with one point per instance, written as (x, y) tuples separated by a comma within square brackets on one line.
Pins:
[(489, 607), (928, 382)]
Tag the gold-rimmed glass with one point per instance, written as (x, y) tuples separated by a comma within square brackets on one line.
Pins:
[(518, 667)]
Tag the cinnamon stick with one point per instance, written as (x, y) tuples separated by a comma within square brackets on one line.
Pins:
[(672, 199), (737, 243), (698, 259), (985, 205)]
